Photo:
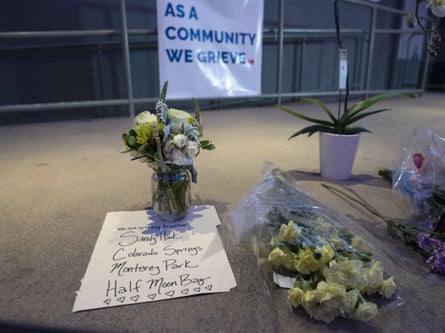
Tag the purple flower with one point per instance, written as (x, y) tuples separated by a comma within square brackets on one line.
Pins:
[(437, 260), (426, 242)]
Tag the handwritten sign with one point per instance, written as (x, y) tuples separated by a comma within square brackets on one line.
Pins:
[(139, 258), (217, 43)]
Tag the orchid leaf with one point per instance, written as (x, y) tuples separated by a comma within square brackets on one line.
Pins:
[(321, 105), (302, 116), (309, 130), (356, 130), (350, 119), (342, 124), (362, 105)]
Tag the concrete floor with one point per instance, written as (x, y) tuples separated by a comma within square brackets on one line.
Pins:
[(60, 178)]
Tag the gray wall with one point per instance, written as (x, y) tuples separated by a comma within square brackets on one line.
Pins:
[(67, 69)]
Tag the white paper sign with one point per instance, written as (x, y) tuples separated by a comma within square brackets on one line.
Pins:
[(139, 258), (210, 48)]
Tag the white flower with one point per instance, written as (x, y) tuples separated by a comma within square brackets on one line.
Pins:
[(180, 120), (437, 7), (179, 158), (180, 140), (192, 148), (145, 117)]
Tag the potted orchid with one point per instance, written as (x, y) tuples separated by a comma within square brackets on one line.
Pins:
[(168, 140), (339, 136)]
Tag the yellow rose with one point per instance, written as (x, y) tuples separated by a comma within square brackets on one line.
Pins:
[(347, 273), (388, 287), (310, 301), (325, 306), (307, 262), (330, 291), (365, 311), (295, 296), (327, 253), (276, 256), (349, 302), (359, 243), (325, 314), (290, 261), (374, 278), (288, 233)]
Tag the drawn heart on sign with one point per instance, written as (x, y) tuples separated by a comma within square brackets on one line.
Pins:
[(151, 296), (107, 301), (170, 293), (209, 287), (134, 298), (250, 61), (121, 299), (197, 289), (185, 291)]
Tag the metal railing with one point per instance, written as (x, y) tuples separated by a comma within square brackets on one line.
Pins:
[(277, 35)]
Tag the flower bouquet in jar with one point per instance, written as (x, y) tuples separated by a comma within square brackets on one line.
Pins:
[(168, 140)]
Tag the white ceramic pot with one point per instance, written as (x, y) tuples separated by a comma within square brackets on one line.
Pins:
[(337, 155)]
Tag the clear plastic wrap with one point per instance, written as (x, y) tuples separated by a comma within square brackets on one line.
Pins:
[(419, 174), (253, 225)]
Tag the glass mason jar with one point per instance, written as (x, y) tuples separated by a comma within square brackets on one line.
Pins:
[(170, 192)]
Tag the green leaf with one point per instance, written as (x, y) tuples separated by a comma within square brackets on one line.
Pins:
[(163, 94), (356, 130), (302, 116), (197, 110), (362, 105), (341, 125), (321, 105), (352, 118), (141, 148), (309, 130), (207, 144), (129, 140)]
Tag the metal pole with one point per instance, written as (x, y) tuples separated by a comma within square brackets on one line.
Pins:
[(371, 48), (126, 55), (280, 50)]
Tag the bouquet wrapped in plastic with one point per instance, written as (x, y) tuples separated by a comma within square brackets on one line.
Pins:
[(313, 252), (418, 176)]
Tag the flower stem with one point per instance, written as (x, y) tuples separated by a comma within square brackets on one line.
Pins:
[(350, 197), (408, 233)]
